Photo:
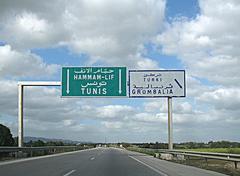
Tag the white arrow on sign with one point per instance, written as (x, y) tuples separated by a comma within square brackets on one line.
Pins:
[(120, 81), (68, 91)]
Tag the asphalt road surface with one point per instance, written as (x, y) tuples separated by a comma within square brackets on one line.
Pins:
[(99, 162)]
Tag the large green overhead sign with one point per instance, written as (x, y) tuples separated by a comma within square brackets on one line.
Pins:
[(94, 81)]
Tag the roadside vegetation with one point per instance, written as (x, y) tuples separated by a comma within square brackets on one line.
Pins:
[(217, 150), (222, 166), (6, 138), (45, 147), (217, 146)]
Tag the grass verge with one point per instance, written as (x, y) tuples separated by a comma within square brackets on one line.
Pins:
[(224, 167), (217, 150)]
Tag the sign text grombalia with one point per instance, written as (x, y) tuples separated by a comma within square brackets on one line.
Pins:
[(93, 81), (157, 83)]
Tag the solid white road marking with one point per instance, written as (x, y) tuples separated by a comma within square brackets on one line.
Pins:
[(158, 171), (92, 158), (69, 173)]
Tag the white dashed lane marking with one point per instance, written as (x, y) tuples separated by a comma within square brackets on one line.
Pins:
[(69, 173)]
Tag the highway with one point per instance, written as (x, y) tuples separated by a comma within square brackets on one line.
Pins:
[(99, 162)]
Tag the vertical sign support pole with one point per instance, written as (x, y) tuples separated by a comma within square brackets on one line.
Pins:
[(20, 115), (170, 127), (21, 86)]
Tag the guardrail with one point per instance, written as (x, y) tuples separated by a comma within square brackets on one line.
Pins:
[(17, 152), (235, 158), (207, 155)]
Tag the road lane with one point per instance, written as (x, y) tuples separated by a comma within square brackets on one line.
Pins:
[(101, 162), (106, 162), (113, 162), (52, 166)]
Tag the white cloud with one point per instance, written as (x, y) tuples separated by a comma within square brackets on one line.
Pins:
[(112, 32), (47, 114), (27, 31), (88, 119), (8, 97), (112, 125), (118, 26), (22, 64), (152, 106), (209, 44), (183, 108), (195, 87), (222, 98), (114, 111), (145, 63), (147, 117), (180, 106), (115, 33)]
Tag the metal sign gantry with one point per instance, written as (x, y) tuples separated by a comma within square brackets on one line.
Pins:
[(21, 86), (142, 84)]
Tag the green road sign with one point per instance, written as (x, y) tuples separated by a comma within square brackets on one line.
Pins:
[(93, 81)]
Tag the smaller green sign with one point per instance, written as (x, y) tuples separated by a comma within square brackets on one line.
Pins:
[(93, 81)]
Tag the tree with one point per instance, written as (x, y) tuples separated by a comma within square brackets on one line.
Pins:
[(38, 143), (6, 138)]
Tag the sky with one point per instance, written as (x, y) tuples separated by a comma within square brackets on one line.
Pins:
[(201, 37)]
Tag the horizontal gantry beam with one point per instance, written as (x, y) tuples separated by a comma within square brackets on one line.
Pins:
[(40, 83)]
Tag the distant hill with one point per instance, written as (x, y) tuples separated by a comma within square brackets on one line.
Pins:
[(29, 138)]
